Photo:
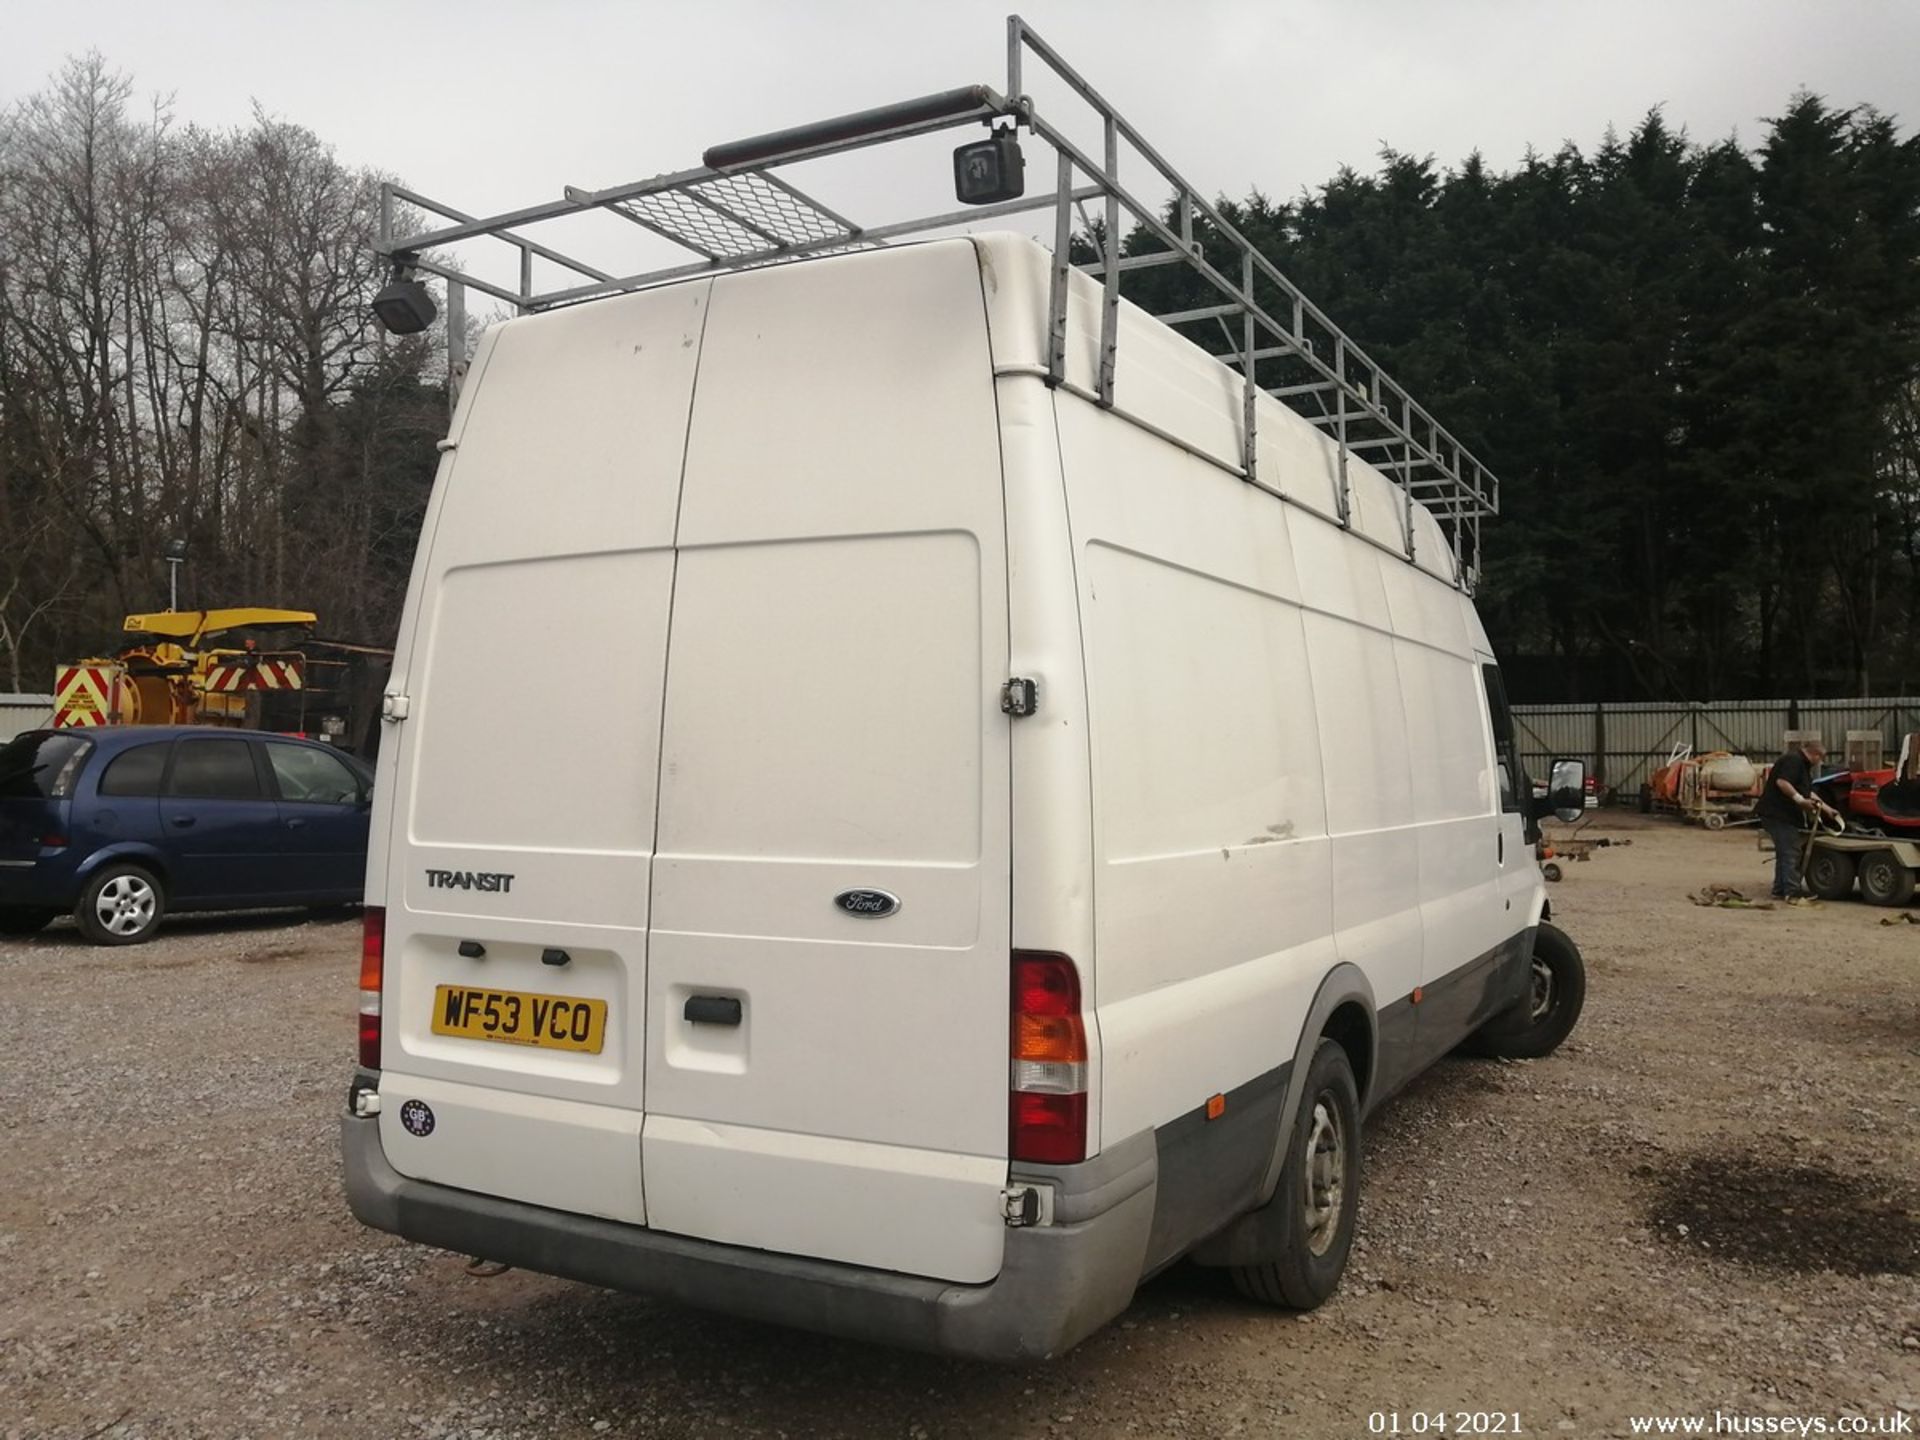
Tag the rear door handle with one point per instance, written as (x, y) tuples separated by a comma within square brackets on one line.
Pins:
[(712, 1010), (294, 822), (183, 821)]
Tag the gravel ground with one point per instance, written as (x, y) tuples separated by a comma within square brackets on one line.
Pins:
[(1710, 1198)]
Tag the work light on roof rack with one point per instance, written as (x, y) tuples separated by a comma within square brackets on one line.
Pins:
[(991, 170), (404, 307)]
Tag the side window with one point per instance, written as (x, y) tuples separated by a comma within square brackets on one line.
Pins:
[(214, 770), (136, 771), (311, 775), (1505, 754)]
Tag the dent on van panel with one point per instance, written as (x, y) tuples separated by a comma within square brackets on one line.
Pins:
[(1198, 744)]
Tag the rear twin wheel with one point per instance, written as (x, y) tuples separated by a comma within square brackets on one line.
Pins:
[(1318, 1197)]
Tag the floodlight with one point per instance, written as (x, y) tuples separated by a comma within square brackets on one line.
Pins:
[(990, 170), (404, 307)]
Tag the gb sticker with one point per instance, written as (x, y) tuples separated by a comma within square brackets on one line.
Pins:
[(417, 1116)]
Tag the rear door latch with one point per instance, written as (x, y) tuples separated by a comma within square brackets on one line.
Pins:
[(1020, 696)]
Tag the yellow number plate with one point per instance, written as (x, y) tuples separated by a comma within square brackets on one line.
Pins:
[(554, 1022)]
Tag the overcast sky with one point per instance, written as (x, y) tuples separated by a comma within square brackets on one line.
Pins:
[(494, 104)]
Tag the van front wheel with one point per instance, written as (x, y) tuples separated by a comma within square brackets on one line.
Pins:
[(1535, 1024), (1318, 1198)]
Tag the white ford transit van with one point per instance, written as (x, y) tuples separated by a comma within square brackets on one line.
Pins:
[(941, 848)]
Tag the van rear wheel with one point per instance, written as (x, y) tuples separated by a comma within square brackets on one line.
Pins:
[(1318, 1198)]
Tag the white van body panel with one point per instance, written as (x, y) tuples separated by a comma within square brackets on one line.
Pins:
[(786, 532), (555, 514), (833, 721), (1288, 740)]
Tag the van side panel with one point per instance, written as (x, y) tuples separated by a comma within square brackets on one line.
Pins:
[(832, 723), (1214, 921)]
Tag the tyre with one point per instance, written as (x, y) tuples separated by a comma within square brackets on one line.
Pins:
[(122, 905), (1319, 1191), (1646, 799), (1550, 871), (1536, 1024), (16, 921), (1884, 880), (1715, 820), (1830, 874)]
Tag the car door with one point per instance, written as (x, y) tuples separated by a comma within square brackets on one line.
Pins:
[(221, 829), (322, 807)]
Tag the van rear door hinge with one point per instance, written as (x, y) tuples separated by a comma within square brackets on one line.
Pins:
[(1024, 1205), (393, 707), (1020, 696)]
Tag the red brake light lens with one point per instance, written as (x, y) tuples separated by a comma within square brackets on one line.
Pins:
[(373, 952), (1049, 1129), (1047, 1081)]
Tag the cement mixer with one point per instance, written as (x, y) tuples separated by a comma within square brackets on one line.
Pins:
[(1711, 788)]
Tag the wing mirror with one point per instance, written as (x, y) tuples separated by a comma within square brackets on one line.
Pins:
[(1567, 790)]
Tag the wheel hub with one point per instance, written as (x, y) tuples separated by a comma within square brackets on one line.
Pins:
[(1540, 998), (125, 905), (1326, 1175)]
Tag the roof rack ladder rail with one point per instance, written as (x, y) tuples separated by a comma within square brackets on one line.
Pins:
[(1019, 31)]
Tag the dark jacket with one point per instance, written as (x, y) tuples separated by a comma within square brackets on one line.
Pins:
[(1793, 768)]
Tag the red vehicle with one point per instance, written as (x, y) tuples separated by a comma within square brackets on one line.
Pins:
[(1884, 800)]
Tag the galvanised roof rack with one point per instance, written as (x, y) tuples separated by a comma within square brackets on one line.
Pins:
[(735, 211)]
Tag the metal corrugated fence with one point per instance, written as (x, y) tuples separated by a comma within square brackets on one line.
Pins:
[(23, 712), (1625, 744)]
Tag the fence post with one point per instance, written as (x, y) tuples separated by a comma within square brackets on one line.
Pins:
[(1599, 743)]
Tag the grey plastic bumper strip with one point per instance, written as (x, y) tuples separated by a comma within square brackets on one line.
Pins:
[(1057, 1283)]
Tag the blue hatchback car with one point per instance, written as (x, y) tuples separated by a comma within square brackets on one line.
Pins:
[(119, 826)]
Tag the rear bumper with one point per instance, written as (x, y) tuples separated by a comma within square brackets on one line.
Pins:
[(1057, 1285)]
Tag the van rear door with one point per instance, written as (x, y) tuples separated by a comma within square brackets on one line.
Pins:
[(518, 870), (827, 1074)]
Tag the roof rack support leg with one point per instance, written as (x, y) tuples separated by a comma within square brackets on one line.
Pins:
[(1110, 296), (526, 278), (1062, 263), (456, 342), (1405, 477), (1249, 341), (1343, 492)]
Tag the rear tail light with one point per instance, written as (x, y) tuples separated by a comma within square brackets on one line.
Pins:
[(1047, 1110), (373, 951)]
